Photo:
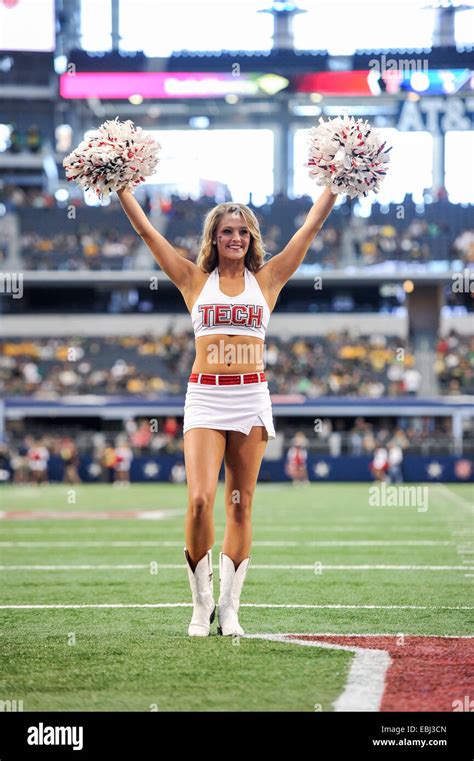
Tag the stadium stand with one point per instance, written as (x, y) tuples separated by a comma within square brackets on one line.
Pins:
[(330, 365)]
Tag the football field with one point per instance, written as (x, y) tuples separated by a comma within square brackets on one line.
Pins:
[(347, 605)]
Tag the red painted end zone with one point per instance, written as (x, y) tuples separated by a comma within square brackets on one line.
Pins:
[(426, 673), (22, 515)]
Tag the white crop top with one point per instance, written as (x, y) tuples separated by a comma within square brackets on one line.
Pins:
[(246, 314)]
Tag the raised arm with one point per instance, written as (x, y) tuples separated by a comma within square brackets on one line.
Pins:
[(278, 270), (181, 271)]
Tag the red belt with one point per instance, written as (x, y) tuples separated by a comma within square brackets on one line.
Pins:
[(226, 380)]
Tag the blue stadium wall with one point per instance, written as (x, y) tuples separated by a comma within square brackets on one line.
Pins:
[(415, 469)]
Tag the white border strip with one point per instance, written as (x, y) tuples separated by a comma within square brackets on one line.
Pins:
[(366, 680), (368, 634)]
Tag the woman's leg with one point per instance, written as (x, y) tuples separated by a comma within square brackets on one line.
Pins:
[(203, 452), (243, 457)]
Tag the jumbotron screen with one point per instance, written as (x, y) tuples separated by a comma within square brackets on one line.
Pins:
[(27, 25)]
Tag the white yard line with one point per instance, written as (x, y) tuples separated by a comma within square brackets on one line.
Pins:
[(71, 606), (361, 607), (109, 527), (256, 567), (139, 543), (446, 492)]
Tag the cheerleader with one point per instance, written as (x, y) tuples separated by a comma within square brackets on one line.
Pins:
[(123, 462), (38, 458), (230, 293), (379, 464)]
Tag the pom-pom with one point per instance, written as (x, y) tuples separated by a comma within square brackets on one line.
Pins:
[(119, 155), (347, 156)]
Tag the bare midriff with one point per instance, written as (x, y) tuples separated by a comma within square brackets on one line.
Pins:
[(220, 353)]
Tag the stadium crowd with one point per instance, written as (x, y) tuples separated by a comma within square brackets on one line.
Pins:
[(336, 364), (454, 364), (29, 139), (107, 455), (435, 231), (96, 249), (27, 458)]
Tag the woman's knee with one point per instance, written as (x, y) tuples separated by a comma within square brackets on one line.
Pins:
[(239, 505)]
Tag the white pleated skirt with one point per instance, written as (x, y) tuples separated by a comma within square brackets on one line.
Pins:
[(228, 408)]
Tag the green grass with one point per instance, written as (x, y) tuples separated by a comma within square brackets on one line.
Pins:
[(131, 659)]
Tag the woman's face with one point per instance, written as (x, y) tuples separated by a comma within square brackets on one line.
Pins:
[(232, 237)]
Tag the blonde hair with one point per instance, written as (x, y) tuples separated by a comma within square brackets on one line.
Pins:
[(207, 259)]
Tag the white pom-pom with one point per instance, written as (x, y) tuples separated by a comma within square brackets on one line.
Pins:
[(348, 156), (118, 155)]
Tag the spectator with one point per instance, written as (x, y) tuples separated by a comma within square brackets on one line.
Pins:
[(123, 461), (38, 457), (70, 458), (411, 380), (33, 139), (296, 460), (379, 464), (395, 460)]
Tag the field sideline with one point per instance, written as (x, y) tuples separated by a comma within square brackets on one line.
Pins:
[(324, 562)]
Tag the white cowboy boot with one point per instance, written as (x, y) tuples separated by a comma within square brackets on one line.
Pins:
[(232, 581), (202, 588)]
